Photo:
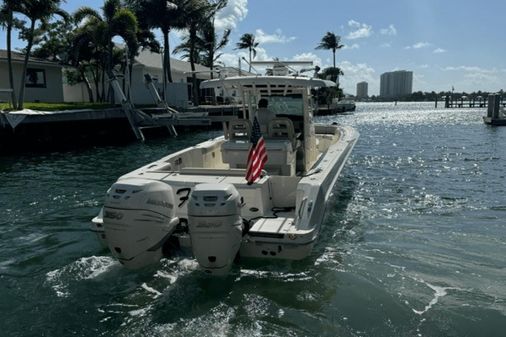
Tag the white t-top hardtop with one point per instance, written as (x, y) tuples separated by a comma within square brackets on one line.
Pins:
[(253, 81)]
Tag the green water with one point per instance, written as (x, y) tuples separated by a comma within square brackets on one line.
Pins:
[(413, 244)]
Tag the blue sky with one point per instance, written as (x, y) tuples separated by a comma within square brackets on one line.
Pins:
[(445, 43)]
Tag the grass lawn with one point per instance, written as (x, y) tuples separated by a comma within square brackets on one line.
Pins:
[(59, 106)]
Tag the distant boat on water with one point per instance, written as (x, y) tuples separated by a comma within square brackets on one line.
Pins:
[(337, 107)]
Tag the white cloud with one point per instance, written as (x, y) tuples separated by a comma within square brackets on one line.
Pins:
[(418, 81), (470, 69), (390, 30), (232, 59), (424, 66), (308, 56), (359, 30), (234, 12), (277, 37), (353, 46), (419, 45), (317, 61), (439, 51), (475, 77), (386, 45), (354, 73)]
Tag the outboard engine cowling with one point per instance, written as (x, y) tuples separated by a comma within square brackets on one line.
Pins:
[(138, 217), (215, 223)]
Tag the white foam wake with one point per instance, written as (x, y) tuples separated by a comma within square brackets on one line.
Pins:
[(85, 268), (438, 293)]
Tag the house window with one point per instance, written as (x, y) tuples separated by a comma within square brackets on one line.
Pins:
[(35, 78)]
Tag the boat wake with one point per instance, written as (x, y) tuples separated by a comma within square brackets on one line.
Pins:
[(438, 293), (86, 268)]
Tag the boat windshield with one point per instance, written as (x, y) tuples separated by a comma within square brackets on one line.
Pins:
[(292, 105)]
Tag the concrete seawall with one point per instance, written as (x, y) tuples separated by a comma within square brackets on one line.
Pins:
[(30, 130)]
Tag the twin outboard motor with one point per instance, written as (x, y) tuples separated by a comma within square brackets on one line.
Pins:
[(215, 224), (138, 217)]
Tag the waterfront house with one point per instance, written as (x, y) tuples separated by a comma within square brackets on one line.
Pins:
[(179, 92), (43, 78)]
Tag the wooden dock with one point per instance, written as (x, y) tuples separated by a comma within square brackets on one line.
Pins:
[(465, 102)]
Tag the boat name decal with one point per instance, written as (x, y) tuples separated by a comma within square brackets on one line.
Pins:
[(184, 198)]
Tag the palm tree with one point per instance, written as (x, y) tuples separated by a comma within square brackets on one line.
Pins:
[(87, 55), (8, 21), (55, 40), (247, 41), (166, 16), (211, 44), (208, 45), (36, 11), (330, 41), (115, 21), (198, 13), (331, 72)]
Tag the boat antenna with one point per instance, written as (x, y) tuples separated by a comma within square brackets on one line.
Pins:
[(244, 59)]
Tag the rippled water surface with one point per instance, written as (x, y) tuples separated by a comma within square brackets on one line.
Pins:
[(413, 244)]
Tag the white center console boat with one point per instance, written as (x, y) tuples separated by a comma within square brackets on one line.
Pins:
[(199, 199)]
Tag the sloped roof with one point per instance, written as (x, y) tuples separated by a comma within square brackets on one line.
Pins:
[(154, 60), (20, 57)]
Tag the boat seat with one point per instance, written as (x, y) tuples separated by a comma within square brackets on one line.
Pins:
[(282, 129), (280, 143), (280, 155), (239, 129), (238, 142)]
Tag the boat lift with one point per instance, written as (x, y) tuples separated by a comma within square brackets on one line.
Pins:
[(140, 120)]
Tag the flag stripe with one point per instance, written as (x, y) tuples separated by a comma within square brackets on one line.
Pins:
[(257, 156)]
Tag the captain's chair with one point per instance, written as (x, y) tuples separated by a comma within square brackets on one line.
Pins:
[(281, 145), (239, 129), (282, 128)]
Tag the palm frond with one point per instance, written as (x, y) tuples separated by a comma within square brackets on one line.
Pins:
[(86, 12)]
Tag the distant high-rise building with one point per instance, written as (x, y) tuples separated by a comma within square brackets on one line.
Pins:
[(396, 84), (362, 90)]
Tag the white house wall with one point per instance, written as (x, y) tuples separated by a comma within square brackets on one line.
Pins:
[(53, 92), (177, 91), (139, 92), (75, 93)]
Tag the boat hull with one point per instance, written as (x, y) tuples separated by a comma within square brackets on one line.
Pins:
[(278, 229)]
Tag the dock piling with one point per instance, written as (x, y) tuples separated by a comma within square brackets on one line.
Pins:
[(494, 104), (490, 106)]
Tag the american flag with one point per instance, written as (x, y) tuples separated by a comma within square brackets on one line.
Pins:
[(257, 156)]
